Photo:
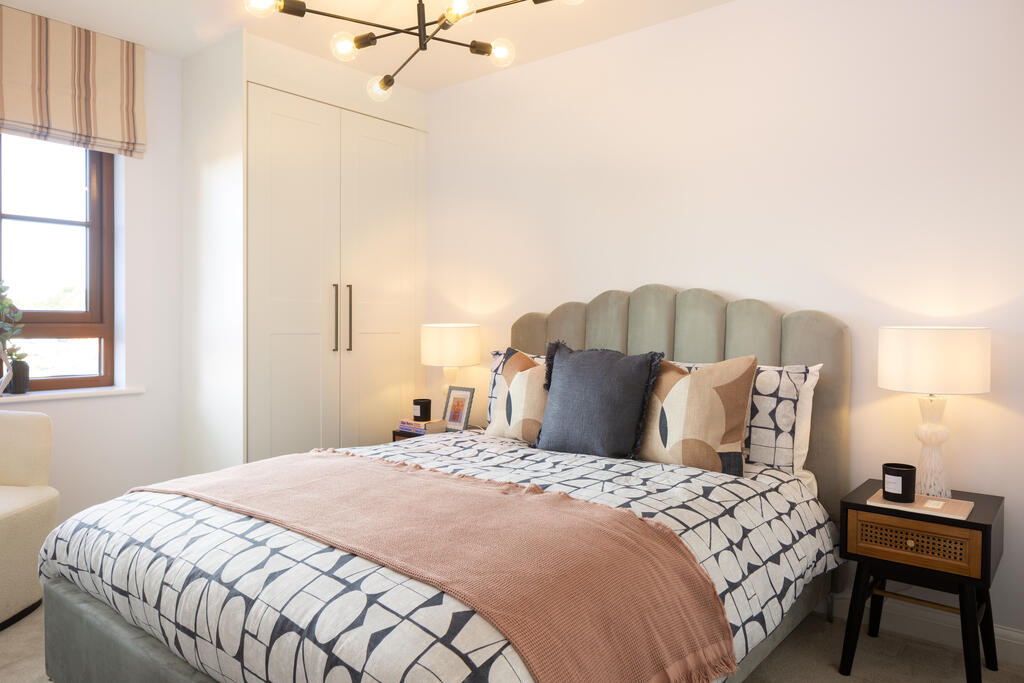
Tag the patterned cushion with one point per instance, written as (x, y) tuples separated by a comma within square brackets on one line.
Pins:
[(698, 419), (498, 360), (780, 416), (519, 398), (779, 430)]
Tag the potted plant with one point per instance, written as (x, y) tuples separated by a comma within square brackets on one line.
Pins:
[(10, 325), (19, 383)]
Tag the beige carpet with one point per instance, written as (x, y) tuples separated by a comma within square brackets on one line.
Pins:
[(21, 651), (811, 653)]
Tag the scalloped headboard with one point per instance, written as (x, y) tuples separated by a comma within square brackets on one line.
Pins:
[(699, 326)]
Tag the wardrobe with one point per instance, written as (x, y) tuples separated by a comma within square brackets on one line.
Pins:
[(330, 325), (301, 254)]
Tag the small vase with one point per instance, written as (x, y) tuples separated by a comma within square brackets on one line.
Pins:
[(19, 385)]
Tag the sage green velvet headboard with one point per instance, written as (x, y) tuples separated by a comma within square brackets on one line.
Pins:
[(699, 326)]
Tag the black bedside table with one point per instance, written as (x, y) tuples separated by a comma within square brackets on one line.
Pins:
[(951, 555), (398, 435)]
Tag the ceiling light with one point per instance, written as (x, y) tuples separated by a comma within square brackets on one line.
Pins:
[(458, 10), (503, 52), (379, 88), (344, 45), (261, 8), (365, 40)]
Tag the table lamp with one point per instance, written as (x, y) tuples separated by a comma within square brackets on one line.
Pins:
[(450, 346), (935, 362)]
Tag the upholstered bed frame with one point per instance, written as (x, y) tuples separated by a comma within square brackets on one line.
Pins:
[(698, 326), (87, 642)]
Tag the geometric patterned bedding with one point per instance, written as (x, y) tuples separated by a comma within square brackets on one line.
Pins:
[(245, 600)]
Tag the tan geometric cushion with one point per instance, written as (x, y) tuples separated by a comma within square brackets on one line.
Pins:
[(519, 398), (699, 419), (499, 358)]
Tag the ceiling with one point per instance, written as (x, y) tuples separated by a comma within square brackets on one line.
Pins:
[(182, 27)]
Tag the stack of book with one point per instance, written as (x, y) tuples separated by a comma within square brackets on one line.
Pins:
[(411, 426)]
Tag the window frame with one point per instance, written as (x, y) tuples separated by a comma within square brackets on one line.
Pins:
[(98, 321)]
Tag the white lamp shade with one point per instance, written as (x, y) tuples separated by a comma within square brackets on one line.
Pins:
[(935, 360), (450, 345)]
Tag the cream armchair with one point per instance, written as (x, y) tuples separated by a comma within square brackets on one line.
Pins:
[(28, 507)]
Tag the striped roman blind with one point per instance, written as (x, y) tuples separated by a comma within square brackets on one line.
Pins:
[(65, 84)]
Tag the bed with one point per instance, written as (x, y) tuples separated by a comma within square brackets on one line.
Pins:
[(161, 587)]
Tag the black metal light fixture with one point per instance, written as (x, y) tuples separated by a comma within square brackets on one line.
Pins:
[(345, 45)]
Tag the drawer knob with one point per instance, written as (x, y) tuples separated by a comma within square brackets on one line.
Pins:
[(911, 543)]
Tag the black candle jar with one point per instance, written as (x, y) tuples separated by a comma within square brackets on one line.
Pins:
[(421, 409), (898, 482)]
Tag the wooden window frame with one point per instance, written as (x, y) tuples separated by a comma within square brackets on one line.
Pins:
[(98, 321)]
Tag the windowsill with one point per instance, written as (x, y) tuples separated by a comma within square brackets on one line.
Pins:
[(65, 394)]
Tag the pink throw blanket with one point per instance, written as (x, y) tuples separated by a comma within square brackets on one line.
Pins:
[(584, 592)]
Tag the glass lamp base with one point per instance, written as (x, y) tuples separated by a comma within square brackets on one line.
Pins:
[(931, 474)]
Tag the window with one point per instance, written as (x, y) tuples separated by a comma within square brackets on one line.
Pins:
[(57, 257)]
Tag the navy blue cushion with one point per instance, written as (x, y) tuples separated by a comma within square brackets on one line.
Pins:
[(597, 400)]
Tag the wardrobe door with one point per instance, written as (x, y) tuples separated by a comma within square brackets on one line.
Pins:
[(293, 253), (378, 242)]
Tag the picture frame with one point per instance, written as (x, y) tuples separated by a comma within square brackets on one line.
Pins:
[(457, 407)]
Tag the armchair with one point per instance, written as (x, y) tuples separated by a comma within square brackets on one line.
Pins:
[(28, 509)]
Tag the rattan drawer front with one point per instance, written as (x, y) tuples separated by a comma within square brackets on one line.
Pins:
[(922, 544)]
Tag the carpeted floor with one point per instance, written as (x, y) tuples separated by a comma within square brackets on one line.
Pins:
[(811, 653), (21, 651)]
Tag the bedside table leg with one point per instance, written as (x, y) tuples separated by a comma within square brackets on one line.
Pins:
[(988, 632), (875, 616), (969, 632), (858, 596)]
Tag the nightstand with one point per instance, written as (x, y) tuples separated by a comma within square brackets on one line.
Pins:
[(397, 435), (950, 555)]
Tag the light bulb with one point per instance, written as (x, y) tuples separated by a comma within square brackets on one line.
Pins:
[(261, 8), (503, 52), (459, 10), (343, 46), (379, 88)]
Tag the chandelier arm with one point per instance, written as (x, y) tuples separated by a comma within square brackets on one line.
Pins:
[(406, 62), (353, 20), (413, 32), (392, 31), (499, 6), (416, 52), (437, 21)]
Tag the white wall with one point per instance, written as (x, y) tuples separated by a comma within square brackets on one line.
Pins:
[(861, 158), (212, 333), (104, 446)]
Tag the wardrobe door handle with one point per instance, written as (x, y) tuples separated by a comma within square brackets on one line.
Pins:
[(335, 318), (349, 317)]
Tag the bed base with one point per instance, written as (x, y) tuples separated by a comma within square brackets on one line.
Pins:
[(88, 642), (811, 597)]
